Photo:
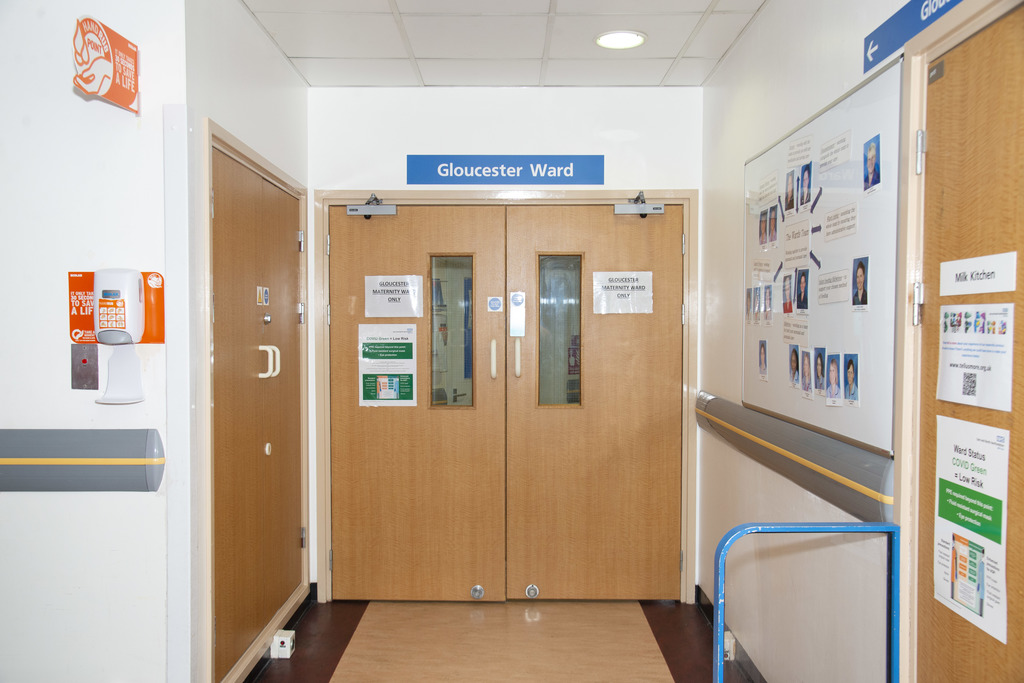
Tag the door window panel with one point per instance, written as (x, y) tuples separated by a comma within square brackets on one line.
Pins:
[(451, 339), (559, 310)]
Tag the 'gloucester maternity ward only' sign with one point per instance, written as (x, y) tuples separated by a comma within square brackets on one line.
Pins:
[(504, 169)]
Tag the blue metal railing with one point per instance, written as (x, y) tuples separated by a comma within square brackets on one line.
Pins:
[(892, 532)]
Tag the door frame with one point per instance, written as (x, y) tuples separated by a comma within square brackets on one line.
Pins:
[(217, 137), (953, 28), (325, 199)]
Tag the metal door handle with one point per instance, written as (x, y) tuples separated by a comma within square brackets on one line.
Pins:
[(519, 357), (273, 361), (494, 359)]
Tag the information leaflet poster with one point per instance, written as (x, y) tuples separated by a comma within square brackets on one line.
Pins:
[(387, 365), (976, 355), (972, 465)]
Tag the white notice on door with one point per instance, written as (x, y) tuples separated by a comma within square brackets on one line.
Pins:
[(394, 296), (627, 292)]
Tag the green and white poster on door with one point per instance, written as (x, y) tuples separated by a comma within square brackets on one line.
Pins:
[(387, 365)]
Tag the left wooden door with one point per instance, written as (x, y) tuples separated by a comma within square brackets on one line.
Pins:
[(256, 406)]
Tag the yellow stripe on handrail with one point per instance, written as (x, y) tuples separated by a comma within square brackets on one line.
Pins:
[(82, 461), (849, 483)]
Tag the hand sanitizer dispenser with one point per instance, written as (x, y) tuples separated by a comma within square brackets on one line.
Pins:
[(119, 320)]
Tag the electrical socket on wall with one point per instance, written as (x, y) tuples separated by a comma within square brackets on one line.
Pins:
[(730, 647)]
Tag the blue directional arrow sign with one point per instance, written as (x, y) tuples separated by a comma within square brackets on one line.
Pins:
[(893, 34)]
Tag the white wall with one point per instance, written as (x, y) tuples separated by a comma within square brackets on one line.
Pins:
[(359, 137), (82, 575), (803, 608)]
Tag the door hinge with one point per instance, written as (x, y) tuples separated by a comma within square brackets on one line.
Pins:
[(682, 315), (215, 631), (302, 538), (328, 314), (682, 561), (916, 304), (213, 307), (302, 313), (302, 240), (922, 144), (328, 244), (684, 244), (330, 560)]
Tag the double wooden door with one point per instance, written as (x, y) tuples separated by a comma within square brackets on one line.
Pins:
[(257, 549), (540, 455)]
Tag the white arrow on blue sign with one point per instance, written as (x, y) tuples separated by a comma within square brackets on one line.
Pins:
[(893, 34)]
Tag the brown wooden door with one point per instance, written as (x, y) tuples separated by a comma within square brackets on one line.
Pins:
[(594, 481), (974, 206), (256, 495), (418, 492)]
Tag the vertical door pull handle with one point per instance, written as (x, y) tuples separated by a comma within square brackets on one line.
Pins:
[(273, 361), (519, 357), (494, 359)]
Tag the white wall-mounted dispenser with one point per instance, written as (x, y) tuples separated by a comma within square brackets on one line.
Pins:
[(119, 318)]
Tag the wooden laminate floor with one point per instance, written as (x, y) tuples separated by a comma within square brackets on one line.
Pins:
[(536, 641)]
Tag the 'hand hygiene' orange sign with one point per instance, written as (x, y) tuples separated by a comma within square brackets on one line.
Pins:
[(107, 64)]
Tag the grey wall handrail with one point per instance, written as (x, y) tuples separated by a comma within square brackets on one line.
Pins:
[(857, 481), (892, 531), (81, 460)]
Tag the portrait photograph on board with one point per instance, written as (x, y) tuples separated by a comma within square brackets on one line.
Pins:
[(767, 304), (762, 229), (803, 276), (773, 225), (819, 370), (872, 162), (834, 383), (787, 294), (851, 390), (805, 372), (794, 365), (762, 359), (789, 200), (860, 282), (805, 186)]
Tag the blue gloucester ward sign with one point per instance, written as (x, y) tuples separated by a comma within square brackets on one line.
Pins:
[(908, 21), (504, 169)]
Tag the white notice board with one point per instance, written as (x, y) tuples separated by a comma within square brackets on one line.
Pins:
[(817, 222)]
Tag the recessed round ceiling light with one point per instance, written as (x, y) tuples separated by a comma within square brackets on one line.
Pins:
[(621, 40)]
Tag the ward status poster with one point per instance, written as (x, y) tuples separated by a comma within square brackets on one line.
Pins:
[(972, 466), (387, 365)]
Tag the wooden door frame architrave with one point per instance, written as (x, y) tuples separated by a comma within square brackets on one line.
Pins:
[(325, 199)]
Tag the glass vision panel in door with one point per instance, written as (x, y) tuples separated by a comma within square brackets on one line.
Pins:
[(451, 339), (559, 344)]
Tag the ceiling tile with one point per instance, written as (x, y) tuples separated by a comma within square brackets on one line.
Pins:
[(329, 35), (364, 6), (469, 72), (357, 72), (690, 71), (717, 35), (463, 37), (597, 72), (473, 7), (738, 5), (573, 37), (631, 6)]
